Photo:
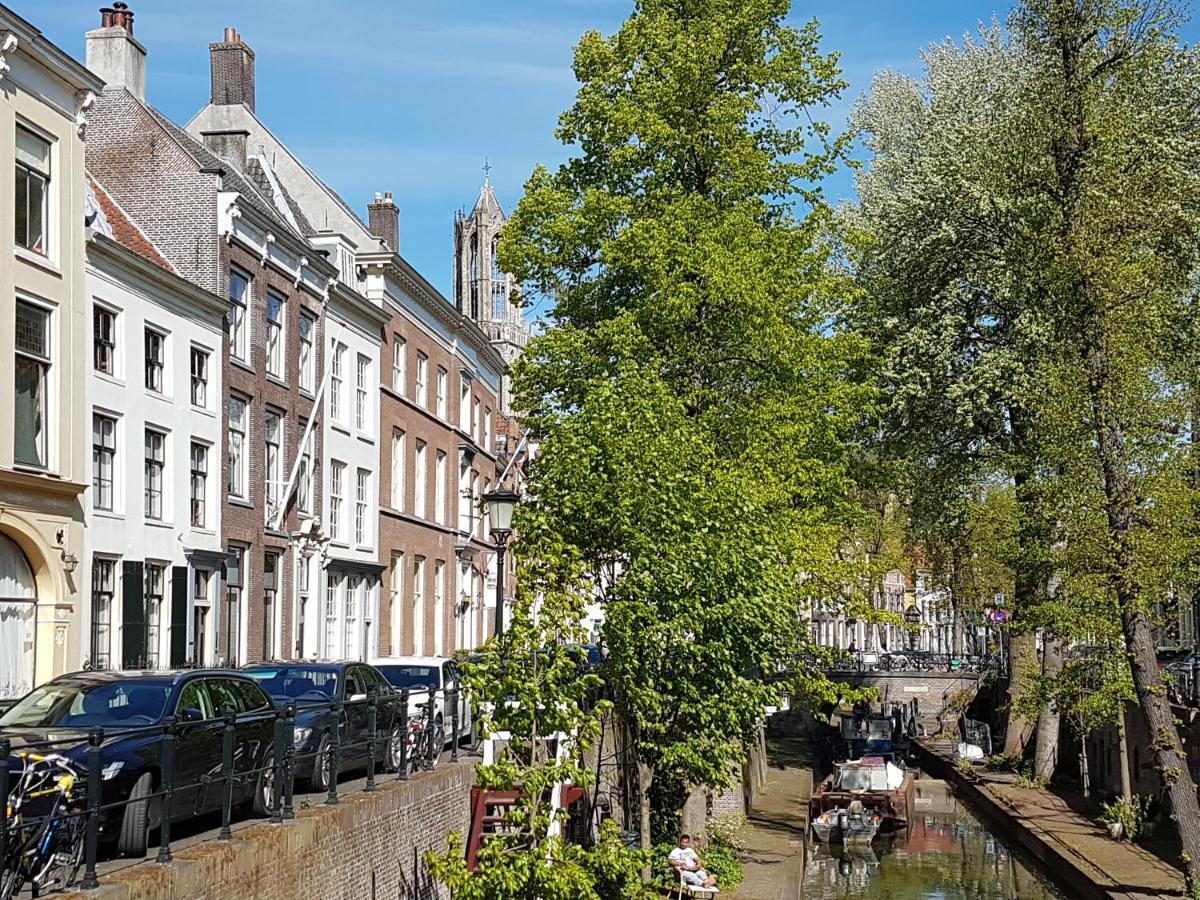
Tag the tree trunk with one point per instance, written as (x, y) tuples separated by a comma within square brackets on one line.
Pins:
[(1045, 757), (645, 782), (1083, 764), (1123, 744), (1022, 652), (693, 819), (1022, 645)]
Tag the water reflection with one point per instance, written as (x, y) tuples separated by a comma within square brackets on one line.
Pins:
[(940, 856)]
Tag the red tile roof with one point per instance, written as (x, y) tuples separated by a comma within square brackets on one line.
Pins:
[(125, 231)]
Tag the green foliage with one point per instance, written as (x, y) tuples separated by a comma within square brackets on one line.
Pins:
[(527, 682), (693, 398), (963, 764), (1008, 762), (1132, 815), (719, 859), (1028, 782)]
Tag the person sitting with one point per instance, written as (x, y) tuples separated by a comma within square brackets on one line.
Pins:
[(687, 863)]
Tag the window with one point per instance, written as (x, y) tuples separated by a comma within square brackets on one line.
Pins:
[(104, 340), (361, 421), (335, 383), (154, 361), (233, 604), (476, 430), (422, 375), (418, 601), (332, 583), (420, 475), (275, 346), (308, 359), (270, 593), (155, 460), (304, 475), (33, 183), (153, 595), (274, 464), (439, 607), (487, 430), (104, 450), (351, 619), (199, 484), (465, 500), (238, 461), (337, 474), (303, 575), (239, 321), (442, 377), (398, 469), (399, 364), (199, 378), (362, 492), (464, 402), (31, 384), (103, 587), (475, 519), (439, 488)]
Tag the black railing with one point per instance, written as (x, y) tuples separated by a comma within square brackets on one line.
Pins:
[(276, 767)]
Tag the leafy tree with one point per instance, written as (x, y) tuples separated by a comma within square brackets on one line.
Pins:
[(1034, 205), (529, 683), (693, 400)]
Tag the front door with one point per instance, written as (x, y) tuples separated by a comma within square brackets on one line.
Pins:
[(18, 603)]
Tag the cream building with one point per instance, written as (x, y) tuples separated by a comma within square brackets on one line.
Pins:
[(44, 97)]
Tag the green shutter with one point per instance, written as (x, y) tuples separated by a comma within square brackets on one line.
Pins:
[(179, 616), (133, 615)]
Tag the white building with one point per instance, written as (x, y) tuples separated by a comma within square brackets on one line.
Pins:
[(153, 551)]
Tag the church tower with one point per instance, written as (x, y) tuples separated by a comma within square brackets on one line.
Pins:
[(483, 292)]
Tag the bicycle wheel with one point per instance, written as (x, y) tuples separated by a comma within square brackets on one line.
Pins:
[(11, 878), (65, 859)]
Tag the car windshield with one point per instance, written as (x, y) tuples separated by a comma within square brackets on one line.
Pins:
[(410, 676), (110, 705), (307, 683)]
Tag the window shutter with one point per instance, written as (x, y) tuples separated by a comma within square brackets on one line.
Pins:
[(133, 615), (179, 616)]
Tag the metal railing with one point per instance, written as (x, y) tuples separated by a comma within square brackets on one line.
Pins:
[(279, 764)]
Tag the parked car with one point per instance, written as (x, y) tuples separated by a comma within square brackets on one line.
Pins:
[(313, 687), (124, 705), (420, 675)]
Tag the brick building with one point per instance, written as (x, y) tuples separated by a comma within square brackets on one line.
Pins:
[(226, 228)]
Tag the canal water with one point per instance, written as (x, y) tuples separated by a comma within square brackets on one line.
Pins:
[(945, 854)]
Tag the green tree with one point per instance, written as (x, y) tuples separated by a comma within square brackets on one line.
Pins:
[(693, 402), (529, 684), (1046, 175)]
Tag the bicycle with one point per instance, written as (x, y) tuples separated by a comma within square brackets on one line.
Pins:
[(43, 851), (423, 732)]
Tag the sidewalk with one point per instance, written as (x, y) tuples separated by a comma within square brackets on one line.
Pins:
[(1046, 826), (774, 834)]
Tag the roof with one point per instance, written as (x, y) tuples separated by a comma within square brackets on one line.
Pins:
[(272, 189), (410, 660), (487, 202), (232, 178), (125, 231), (109, 676)]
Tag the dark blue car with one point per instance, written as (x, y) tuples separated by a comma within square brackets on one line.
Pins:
[(313, 687), (126, 705)]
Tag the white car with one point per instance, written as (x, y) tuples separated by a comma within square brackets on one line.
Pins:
[(419, 674)]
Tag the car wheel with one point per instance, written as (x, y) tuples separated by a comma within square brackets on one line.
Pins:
[(323, 764), (394, 749), (264, 786), (135, 824)]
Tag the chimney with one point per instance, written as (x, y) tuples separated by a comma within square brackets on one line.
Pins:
[(114, 54), (229, 145), (232, 71), (384, 218)]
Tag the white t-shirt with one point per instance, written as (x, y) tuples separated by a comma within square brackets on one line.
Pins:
[(685, 855)]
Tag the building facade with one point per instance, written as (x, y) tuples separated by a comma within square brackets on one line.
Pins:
[(155, 394), (227, 228), (44, 99)]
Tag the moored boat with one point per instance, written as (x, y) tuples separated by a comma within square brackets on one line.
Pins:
[(875, 783)]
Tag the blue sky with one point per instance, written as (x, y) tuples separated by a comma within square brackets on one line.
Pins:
[(410, 96)]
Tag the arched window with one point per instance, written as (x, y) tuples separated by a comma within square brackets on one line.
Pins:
[(475, 276), (18, 599), (499, 287)]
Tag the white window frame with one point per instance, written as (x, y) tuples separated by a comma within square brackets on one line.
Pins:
[(443, 381), (439, 487), (98, 451), (45, 364), (277, 337), (422, 380), (337, 404), (46, 176), (399, 365), (308, 356), (337, 486), (203, 473), (239, 468), (420, 479), (109, 345), (200, 380), (239, 316), (399, 463), (151, 462), (362, 378), (362, 503)]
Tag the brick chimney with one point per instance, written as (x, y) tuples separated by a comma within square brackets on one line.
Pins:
[(114, 54), (384, 219), (232, 71)]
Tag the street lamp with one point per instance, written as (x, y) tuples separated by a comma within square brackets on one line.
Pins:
[(500, 507)]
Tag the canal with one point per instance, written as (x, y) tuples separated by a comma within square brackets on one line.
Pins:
[(944, 854)]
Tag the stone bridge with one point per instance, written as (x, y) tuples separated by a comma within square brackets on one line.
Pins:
[(931, 690)]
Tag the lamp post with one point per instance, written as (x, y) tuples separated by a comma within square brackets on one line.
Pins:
[(500, 507)]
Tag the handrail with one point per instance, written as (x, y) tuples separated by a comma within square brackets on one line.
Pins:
[(388, 710)]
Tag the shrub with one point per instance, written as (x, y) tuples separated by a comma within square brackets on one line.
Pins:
[(1028, 781), (1007, 762), (1131, 815)]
